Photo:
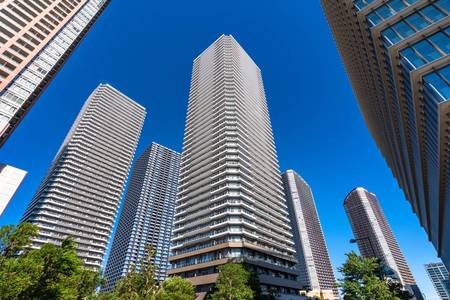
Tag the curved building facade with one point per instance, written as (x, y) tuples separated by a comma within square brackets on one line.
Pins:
[(396, 54)]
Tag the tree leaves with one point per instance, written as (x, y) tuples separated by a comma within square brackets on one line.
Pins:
[(52, 272), (365, 279), (233, 283)]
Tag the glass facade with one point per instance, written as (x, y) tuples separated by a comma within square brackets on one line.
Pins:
[(400, 74), (416, 22), (438, 275)]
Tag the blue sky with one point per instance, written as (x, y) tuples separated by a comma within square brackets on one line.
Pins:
[(145, 49)]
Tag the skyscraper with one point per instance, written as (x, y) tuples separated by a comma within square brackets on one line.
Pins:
[(231, 204), (36, 38), (396, 56), (374, 236), (81, 193), (10, 180), (439, 276), (147, 214), (316, 272)]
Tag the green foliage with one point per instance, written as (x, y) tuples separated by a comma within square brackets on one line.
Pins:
[(15, 238), (233, 283), (139, 285), (176, 288), (52, 272), (364, 279), (142, 285)]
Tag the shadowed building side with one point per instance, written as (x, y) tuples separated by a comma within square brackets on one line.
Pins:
[(316, 272)]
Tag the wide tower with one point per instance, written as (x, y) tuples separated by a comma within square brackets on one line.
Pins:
[(80, 195), (231, 204)]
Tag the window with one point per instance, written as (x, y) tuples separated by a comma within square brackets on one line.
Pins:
[(444, 4), (385, 12), (397, 5), (442, 41), (432, 13), (412, 57), (438, 81), (417, 21), (403, 29), (391, 36), (427, 50), (360, 4), (374, 18)]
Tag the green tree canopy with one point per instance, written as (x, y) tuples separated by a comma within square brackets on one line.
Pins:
[(16, 238), (364, 279), (52, 272), (139, 284), (233, 283), (176, 288)]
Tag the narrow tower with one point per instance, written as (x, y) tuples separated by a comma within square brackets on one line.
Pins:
[(231, 204), (80, 195), (36, 38), (375, 238), (439, 277), (316, 272), (147, 214)]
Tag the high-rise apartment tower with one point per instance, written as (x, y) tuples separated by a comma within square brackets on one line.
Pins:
[(10, 180), (36, 38), (81, 193), (147, 215), (375, 238), (316, 272), (231, 204), (396, 54), (439, 276)]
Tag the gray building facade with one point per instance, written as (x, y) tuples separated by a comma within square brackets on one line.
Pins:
[(81, 192), (231, 204), (316, 272), (147, 215)]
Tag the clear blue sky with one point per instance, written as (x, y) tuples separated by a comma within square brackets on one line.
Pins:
[(146, 48)]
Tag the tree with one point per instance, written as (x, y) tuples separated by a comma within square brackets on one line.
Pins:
[(176, 288), (52, 272), (364, 279), (142, 284), (16, 238), (233, 283)]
